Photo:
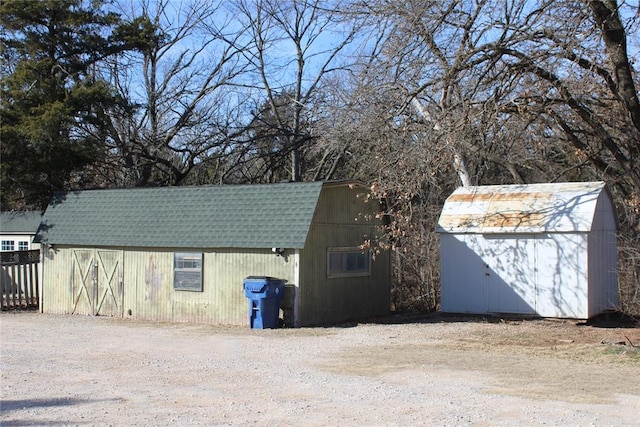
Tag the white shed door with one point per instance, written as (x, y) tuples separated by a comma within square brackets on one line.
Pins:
[(463, 274), (510, 264), (561, 275)]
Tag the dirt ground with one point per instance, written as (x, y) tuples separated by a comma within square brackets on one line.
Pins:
[(398, 371)]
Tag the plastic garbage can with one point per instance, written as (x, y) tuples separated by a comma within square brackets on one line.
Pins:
[(264, 294)]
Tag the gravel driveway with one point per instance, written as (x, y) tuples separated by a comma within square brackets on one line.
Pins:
[(433, 370)]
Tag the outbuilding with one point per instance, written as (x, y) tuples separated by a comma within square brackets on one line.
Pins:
[(547, 250), (181, 254)]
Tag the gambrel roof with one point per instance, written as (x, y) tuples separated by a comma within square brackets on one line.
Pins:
[(526, 208), (222, 216)]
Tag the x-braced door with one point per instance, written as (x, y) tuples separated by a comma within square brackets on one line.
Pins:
[(97, 287)]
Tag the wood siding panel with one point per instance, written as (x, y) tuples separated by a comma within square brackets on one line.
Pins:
[(561, 262), (147, 284), (341, 220), (57, 285), (464, 272), (603, 259), (222, 300)]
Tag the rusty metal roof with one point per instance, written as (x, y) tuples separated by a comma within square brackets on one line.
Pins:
[(531, 208)]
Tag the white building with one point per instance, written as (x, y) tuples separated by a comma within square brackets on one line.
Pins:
[(542, 249), (17, 230)]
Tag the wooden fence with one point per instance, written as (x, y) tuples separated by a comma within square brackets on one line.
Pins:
[(19, 279)]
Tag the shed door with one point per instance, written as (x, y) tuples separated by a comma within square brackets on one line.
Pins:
[(109, 283), (562, 275), (510, 263), (97, 287), (82, 281)]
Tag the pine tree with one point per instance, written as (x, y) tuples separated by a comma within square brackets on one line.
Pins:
[(53, 103)]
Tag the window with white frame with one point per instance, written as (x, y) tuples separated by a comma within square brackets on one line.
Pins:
[(187, 271), (8, 245), (23, 245), (348, 262)]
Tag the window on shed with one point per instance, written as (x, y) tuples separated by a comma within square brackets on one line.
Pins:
[(8, 245), (348, 262), (187, 271), (23, 246)]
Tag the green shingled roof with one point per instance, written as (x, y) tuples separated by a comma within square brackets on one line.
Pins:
[(26, 222), (225, 216)]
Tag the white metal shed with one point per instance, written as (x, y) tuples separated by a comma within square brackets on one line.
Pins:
[(541, 249)]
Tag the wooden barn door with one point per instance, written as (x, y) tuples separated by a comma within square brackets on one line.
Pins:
[(82, 281), (108, 283), (96, 282)]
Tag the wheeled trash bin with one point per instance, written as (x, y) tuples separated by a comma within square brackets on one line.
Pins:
[(264, 294)]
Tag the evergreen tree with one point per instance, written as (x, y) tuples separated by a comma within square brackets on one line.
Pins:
[(52, 116)]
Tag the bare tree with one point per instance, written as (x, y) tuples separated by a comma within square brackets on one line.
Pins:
[(177, 113), (292, 47), (463, 66), (514, 91)]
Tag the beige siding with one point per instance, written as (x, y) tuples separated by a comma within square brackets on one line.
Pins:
[(341, 220), (56, 292), (150, 294), (147, 284)]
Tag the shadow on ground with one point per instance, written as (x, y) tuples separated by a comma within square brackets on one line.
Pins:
[(7, 406), (605, 320)]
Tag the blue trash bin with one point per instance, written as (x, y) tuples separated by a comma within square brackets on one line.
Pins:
[(264, 294)]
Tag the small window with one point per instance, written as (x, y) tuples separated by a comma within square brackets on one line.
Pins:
[(23, 246), (348, 262), (8, 245), (187, 271)]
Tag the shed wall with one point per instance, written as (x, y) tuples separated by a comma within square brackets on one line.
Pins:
[(561, 275), (342, 220), (147, 284), (541, 274), (603, 259), (463, 274), (603, 275), (57, 291), (222, 299)]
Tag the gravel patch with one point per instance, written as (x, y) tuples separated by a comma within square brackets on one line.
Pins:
[(434, 370)]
